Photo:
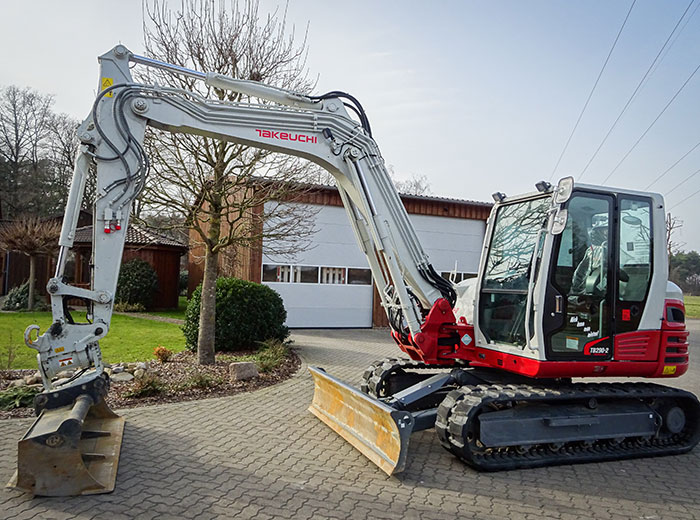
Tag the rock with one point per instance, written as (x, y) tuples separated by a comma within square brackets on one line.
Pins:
[(17, 382), (139, 372), (141, 366), (117, 370), (130, 367), (108, 371), (61, 381), (65, 374), (242, 371), (38, 387), (122, 377), (33, 379)]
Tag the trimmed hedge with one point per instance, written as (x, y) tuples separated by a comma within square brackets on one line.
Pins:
[(247, 313), (137, 283)]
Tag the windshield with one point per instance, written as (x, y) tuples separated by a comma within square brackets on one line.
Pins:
[(513, 242)]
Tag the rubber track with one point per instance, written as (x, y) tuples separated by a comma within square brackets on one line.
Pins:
[(458, 416), (375, 376)]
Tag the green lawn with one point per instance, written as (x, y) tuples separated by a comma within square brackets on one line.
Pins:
[(129, 339), (692, 306), (178, 314)]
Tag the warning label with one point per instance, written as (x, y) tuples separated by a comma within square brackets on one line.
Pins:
[(105, 84)]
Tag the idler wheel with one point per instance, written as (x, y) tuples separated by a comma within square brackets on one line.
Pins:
[(674, 419)]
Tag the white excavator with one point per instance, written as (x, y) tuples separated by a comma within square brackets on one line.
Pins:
[(572, 283)]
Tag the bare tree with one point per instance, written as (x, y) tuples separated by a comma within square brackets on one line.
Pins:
[(24, 127), (32, 237), (61, 149), (415, 185), (224, 191), (673, 224)]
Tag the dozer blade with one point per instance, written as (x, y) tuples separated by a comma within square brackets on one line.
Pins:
[(378, 431), (71, 450)]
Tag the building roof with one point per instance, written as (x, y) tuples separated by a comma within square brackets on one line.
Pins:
[(135, 235), (428, 198), (433, 198), (325, 195)]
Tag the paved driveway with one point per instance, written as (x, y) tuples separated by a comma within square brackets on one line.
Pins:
[(262, 455)]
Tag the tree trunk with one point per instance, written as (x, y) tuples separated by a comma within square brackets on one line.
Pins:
[(207, 313), (32, 276)]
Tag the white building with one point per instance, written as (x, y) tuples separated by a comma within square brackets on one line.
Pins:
[(329, 284)]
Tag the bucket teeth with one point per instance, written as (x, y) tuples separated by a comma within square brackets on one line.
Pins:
[(378, 431), (70, 450)]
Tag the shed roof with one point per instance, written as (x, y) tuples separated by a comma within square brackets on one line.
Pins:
[(135, 235)]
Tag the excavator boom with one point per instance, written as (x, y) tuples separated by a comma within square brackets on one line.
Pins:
[(316, 128)]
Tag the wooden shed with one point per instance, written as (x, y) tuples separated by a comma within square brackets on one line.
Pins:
[(14, 267), (162, 252)]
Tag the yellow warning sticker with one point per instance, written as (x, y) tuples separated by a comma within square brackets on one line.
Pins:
[(59, 349), (668, 370), (106, 83)]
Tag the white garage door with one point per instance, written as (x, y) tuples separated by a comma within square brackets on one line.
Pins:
[(328, 284), (310, 306)]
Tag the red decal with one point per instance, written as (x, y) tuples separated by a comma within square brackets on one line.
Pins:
[(286, 136), (626, 316)]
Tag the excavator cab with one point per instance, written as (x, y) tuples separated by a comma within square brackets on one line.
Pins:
[(563, 277)]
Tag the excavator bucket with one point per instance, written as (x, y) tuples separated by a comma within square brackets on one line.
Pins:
[(71, 450), (378, 431)]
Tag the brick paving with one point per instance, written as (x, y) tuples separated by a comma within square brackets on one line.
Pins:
[(262, 455)]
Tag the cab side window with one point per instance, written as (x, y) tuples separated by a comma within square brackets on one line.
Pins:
[(635, 250)]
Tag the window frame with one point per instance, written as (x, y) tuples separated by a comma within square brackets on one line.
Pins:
[(296, 268)]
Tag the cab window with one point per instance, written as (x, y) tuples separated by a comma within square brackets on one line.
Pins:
[(503, 298), (635, 249), (581, 274)]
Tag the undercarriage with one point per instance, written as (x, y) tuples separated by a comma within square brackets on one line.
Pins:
[(497, 421)]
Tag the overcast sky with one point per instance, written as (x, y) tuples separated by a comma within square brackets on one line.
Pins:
[(479, 96)]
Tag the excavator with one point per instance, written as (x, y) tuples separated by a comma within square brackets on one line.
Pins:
[(572, 283)]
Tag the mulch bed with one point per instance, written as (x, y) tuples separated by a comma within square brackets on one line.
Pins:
[(176, 376)]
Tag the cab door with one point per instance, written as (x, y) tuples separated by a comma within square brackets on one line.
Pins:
[(579, 302), (635, 264)]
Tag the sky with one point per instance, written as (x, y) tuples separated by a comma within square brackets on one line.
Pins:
[(478, 96)]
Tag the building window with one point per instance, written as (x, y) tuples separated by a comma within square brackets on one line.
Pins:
[(314, 274), (305, 274), (359, 276), (269, 273), (276, 273), (333, 275)]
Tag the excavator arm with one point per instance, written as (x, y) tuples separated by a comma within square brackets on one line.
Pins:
[(319, 129)]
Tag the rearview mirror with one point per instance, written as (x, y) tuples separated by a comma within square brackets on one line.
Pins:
[(563, 191), (557, 224)]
